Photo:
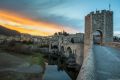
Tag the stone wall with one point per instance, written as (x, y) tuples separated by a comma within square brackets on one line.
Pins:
[(87, 71), (113, 44)]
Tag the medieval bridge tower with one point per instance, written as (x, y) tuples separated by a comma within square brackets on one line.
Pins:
[(99, 24)]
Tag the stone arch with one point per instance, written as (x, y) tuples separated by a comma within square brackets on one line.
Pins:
[(62, 49), (54, 46), (72, 40), (98, 37), (68, 52)]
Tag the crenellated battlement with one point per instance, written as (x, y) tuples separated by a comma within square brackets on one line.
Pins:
[(100, 12)]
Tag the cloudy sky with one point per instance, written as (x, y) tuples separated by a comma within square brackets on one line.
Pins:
[(59, 14)]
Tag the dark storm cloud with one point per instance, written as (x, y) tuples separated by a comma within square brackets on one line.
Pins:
[(29, 4), (29, 7)]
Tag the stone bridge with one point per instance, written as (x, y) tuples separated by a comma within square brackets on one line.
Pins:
[(75, 49), (69, 45), (97, 52), (101, 55), (102, 63)]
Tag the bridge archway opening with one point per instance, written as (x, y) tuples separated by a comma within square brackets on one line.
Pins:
[(69, 52), (62, 50), (97, 37), (54, 46)]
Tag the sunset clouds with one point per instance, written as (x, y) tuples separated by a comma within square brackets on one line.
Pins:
[(66, 13), (25, 25)]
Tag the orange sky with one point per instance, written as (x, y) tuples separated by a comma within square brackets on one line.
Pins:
[(25, 25)]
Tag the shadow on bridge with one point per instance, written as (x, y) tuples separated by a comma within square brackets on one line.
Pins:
[(102, 63), (107, 62)]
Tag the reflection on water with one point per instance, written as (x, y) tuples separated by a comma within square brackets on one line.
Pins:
[(56, 69), (53, 73)]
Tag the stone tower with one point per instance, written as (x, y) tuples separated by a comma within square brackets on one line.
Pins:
[(101, 21)]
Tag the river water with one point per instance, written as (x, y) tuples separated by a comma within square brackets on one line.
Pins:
[(53, 73), (56, 69)]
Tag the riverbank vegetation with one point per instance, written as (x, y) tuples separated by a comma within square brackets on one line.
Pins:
[(26, 53), (32, 59)]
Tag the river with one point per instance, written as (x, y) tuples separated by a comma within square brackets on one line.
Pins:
[(56, 69)]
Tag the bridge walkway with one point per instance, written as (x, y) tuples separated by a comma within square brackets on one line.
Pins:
[(107, 63)]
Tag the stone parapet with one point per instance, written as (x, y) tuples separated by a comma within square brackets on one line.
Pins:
[(87, 71), (113, 44)]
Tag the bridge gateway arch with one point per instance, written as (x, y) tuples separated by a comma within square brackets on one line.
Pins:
[(98, 37)]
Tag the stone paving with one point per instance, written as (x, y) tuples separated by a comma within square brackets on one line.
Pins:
[(107, 63)]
